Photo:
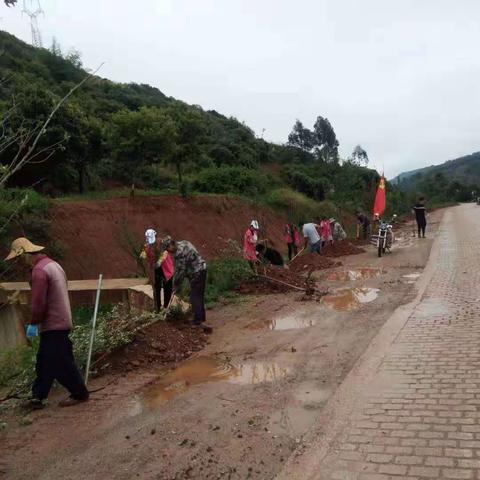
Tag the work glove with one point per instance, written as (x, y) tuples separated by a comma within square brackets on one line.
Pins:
[(32, 331)]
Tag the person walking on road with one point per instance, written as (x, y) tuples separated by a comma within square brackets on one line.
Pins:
[(161, 275), (312, 237), (189, 264), (363, 224), (52, 319), (250, 240), (420, 216)]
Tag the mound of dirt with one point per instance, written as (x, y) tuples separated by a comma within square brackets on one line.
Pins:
[(159, 344), (359, 241), (279, 277), (339, 249), (297, 275), (311, 262)]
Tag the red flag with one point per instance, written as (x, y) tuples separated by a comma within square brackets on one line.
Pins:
[(380, 198)]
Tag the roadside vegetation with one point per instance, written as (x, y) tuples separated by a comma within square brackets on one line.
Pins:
[(116, 327)]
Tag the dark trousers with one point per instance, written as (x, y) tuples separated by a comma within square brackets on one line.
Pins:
[(365, 231), (292, 250), (55, 362), (421, 224), (167, 289), (197, 296)]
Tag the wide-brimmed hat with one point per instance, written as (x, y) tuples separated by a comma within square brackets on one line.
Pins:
[(22, 245)]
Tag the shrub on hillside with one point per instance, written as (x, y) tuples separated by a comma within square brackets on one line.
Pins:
[(299, 208), (305, 180), (231, 179)]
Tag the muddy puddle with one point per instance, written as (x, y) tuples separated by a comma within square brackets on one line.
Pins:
[(354, 275), (202, 370), (288, 322), (411, 278), (296, 418), (351, 299)]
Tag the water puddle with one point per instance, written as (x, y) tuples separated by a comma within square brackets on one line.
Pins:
[(190, 373), (258, 372), (351, 299), (288, 322), (296, 418), (411, 276), (353, 275), (202, 370)]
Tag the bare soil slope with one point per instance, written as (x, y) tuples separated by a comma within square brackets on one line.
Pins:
[(100, 236)]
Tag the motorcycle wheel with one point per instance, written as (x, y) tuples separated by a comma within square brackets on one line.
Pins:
[(380, 250)]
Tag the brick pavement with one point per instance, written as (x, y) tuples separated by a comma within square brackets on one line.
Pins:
[(423, 419)]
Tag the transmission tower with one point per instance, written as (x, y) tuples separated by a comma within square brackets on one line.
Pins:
[(33, 12)]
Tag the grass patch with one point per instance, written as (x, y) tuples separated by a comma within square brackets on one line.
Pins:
[(297, 206), (224, 275)]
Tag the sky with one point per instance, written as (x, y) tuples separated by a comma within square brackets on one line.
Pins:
[(399, 77)]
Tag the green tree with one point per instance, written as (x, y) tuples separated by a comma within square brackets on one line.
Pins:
[(325, 141), (359, 156), (142, 137), (301, 137), (190, 132)]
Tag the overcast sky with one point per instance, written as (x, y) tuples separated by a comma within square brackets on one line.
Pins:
[(399, 77)]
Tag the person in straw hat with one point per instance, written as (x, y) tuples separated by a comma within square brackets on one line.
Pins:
[(52, 318)]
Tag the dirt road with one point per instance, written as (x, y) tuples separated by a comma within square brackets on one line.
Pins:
[(243, 405)]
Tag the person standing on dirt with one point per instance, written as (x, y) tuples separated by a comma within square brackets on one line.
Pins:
[(52, 318), (312, 237), (289, 233), (160, 269), (189, 264), (420, 216), (325, 231), (250, 240), (363, 223), (338, 233)]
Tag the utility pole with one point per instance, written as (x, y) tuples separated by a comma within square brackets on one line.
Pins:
[(33, 13)]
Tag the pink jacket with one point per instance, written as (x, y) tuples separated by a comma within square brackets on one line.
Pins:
[(168, 266), (249, 244), (325, 231), (297, 238), (50, 301)]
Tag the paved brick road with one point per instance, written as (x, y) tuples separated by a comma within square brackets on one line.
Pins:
[(421, 418)]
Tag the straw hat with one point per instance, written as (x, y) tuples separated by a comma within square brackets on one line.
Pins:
[(22, 245)]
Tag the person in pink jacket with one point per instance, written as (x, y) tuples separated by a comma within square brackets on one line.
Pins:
[(325, 231), (250, 240), (52, 318)]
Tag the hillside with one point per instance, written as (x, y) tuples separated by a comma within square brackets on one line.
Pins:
[(109, 135), (456, 178)]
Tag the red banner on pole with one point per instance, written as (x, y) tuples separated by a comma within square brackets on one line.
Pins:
[(380, 198)]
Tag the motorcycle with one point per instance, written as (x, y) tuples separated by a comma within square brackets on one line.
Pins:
[(385, 238)]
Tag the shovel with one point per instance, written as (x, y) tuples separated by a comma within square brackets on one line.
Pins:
[(300, 252)]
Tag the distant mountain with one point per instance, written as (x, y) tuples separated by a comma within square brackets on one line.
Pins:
[(464, 170)]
